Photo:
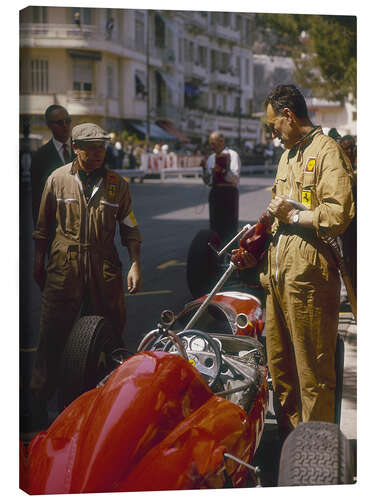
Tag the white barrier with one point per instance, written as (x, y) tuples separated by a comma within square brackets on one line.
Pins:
[(171, 165)]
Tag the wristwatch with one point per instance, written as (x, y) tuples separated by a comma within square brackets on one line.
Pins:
[(295, 218)]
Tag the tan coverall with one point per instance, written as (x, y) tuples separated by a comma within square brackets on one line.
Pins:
[(83, 263), (301, 280)]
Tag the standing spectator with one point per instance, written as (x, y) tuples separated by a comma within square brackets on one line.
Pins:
[(268, 153), (84, 201), (57, 152), (349, 238), (222, 173), (165, 149), (139, 150), (119, 155), (109, 28), (157, 149), (299, 273), (77, 19)]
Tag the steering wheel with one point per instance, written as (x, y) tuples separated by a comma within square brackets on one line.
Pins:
[(207, 362)]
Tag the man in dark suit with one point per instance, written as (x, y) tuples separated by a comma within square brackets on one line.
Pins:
[(56, 153)]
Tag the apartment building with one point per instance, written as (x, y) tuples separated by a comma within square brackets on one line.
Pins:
[(167, 74)]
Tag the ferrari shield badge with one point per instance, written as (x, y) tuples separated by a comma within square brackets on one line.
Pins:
[(112, 187), (310, 165), (306, 198)]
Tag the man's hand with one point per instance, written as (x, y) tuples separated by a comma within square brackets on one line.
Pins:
[(134, 278), (243, 259), (39, 274), (282, 209)]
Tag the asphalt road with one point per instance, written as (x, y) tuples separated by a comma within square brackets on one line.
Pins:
[(169, 214)]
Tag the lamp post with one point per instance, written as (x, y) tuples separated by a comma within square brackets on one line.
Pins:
[(148, 79), (239, 116)]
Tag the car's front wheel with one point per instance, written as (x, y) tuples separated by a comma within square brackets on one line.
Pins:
[(316, 453)]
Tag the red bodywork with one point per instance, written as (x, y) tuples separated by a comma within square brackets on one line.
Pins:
[(240, 302), (154, 425)]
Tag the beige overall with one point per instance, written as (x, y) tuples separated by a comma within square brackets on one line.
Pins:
[(301, 281)]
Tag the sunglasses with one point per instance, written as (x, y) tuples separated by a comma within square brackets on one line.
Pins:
[(61, 123)]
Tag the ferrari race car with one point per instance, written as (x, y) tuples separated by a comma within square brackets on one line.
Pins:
[(186, 411)]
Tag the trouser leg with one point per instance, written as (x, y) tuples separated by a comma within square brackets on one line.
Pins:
[(58, 314), (314, 324), (282, 366), (107, 297)]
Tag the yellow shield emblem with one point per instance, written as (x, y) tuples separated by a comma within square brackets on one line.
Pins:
[(112, 190), (306, 198), (310, 165)]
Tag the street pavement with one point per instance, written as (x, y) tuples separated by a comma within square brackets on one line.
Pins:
[(170, 214)]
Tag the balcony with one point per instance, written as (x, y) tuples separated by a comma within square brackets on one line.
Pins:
[(84, 101), (67, 35), (195, 22), (225, 32), (227, 78), (193, 70)]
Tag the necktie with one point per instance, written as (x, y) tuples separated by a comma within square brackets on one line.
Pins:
[(66, 154)]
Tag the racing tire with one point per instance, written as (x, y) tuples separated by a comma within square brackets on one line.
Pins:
[(86, 359), (316, 453), (202, 263)]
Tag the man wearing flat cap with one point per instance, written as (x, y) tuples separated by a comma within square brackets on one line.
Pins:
[(83, 201)]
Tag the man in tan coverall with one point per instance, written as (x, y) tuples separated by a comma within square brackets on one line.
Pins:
[(299, 274), (84, 201)]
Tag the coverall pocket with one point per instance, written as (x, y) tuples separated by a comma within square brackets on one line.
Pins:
[(69, 214), (107, 215)]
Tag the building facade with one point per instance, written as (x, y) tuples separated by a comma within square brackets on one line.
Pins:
[(184, 73)]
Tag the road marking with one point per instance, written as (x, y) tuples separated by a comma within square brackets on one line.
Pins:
[(171, 263), (268, 188), (152, 292), (28, 349)]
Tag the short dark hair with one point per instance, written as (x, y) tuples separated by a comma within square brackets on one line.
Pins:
[(287, 96), (348, 138), (50, 110)]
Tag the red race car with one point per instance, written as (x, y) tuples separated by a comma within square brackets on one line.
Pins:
[(186, 411)]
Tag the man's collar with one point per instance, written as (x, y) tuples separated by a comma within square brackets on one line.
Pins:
[(58, 145)]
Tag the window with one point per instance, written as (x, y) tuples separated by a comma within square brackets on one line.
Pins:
[(238, 66), (238, 22), (191, 51), (39, 76), (39, 14), (180, 50), (159, 32), (139, 31), (354, 116), (247, 72), (82, 75), (140, 85), (226, 19), (214, 102), (224, 102), (110, 88), (202, 56), (225, 64)]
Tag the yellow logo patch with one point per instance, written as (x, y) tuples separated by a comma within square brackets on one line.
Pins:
[(306, 198), (112, 190), (310, 165), (192, 362)]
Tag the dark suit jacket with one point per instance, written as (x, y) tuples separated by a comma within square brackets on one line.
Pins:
[(45, 160)]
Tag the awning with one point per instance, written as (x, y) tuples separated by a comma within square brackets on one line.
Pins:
[(85, 54), (168, 80), (155, 131), (171, 130), (191, 90)]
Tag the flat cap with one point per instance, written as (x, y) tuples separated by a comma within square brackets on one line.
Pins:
[(89, 132)]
